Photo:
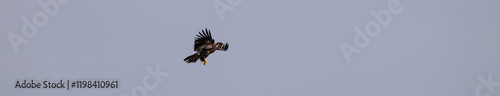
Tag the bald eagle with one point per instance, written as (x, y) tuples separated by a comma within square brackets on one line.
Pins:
[(204, 46)]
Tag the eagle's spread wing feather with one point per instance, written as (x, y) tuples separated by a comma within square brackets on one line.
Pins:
[(205, 45), (204, 38)]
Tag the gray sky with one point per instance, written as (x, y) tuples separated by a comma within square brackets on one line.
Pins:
[(278, 47)]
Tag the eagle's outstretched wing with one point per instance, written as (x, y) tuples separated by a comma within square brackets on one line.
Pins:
[(203, 39)]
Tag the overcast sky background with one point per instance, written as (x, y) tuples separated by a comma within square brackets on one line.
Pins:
[(277, 47)]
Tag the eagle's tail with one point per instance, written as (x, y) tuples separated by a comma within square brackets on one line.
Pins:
[(193, 58)]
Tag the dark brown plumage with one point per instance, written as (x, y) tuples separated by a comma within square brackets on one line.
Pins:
[(204, 46)]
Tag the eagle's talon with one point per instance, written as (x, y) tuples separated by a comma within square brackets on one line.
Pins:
[(204, 62), (205, 45)]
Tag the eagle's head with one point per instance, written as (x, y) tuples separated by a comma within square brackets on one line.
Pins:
[(221, 46)]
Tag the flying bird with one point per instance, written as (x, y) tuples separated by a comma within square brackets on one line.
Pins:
[(204, 46)]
